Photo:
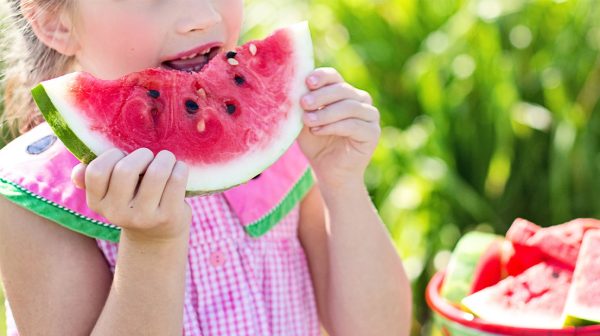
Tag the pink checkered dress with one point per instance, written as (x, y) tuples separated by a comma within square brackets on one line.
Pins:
[(236, 284), (243, 276)]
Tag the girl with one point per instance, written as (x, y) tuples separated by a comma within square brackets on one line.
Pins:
[(187, 264)]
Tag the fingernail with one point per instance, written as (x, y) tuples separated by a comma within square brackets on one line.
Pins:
[(311, 116), (312, 80), (315, 129), (308, 100)]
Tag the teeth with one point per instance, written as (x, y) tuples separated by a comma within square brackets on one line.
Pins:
[(189, 57)]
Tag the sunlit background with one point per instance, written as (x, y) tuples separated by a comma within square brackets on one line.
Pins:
[(489, 112)]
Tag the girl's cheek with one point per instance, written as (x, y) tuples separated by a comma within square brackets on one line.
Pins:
[(232, 12)]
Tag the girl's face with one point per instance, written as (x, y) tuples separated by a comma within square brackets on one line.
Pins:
[(116, 37)]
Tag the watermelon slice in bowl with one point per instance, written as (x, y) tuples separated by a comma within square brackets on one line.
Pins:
[(532, 299), (583, 301), (228, 122), (451, 320)]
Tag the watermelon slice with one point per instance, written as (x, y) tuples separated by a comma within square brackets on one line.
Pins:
[(228, 122), (558, 242), (583, 302), (533, 299), (474, 265)]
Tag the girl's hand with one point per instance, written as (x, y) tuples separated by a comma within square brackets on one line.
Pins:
[(151, 207), (341, 128)]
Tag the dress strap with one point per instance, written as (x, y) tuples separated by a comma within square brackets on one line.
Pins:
[(35, 173)]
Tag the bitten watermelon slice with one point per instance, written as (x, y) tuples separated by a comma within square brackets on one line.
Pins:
[(533, 299), (583, 302), (228, 122)]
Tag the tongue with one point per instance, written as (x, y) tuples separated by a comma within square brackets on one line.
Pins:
[(188, 64)]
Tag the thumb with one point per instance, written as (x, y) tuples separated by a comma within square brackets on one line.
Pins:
[(78, 175)]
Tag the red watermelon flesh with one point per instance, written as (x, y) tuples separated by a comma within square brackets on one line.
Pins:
[(583, 302), (559, 242), (489, 270), (532, 299), (228, 122)]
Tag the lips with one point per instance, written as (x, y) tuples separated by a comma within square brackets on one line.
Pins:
[(193, 60)]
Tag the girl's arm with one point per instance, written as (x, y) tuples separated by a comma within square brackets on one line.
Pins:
[(359, 279), (58, 282), (55, 279), (147, 292)]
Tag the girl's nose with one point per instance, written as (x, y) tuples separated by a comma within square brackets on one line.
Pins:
[(198, 15)]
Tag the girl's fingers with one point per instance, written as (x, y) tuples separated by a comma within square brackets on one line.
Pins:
[(356, 129), (126, 175), (322, 77), (175, 188), (78, 175), (331, 94), (98, 173), (154, 181), (344, 109)]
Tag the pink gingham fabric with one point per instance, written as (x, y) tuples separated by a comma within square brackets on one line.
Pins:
[(236, 284), (239, 285)]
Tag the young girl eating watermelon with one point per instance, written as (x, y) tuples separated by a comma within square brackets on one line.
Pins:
[(185, 264)]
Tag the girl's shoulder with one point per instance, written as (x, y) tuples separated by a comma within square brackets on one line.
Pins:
[(35, 172)]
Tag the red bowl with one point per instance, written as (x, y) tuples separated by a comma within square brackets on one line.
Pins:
[(448, 312)]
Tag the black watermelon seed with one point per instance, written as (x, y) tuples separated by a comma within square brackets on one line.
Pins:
[(153, 93), (239, 80), (191, 106), (231, 54), (255, 177), (555, 275), (230, 108)]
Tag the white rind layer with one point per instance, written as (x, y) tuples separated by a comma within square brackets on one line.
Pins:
[(206, 178)]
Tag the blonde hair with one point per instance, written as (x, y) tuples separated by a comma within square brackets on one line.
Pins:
[(27, 61)]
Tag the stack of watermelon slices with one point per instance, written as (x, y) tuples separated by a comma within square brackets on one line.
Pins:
[(532, 278)]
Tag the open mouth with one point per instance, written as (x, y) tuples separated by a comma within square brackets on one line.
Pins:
[(193, 62)]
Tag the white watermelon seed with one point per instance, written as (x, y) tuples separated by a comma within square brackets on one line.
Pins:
[(252, 49), (201, 126), (202, 93), (233, 61)]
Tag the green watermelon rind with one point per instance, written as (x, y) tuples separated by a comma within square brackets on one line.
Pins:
[(60, 126), (465, 257), (577, 322)]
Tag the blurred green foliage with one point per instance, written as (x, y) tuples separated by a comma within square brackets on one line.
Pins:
[(489, 111)]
